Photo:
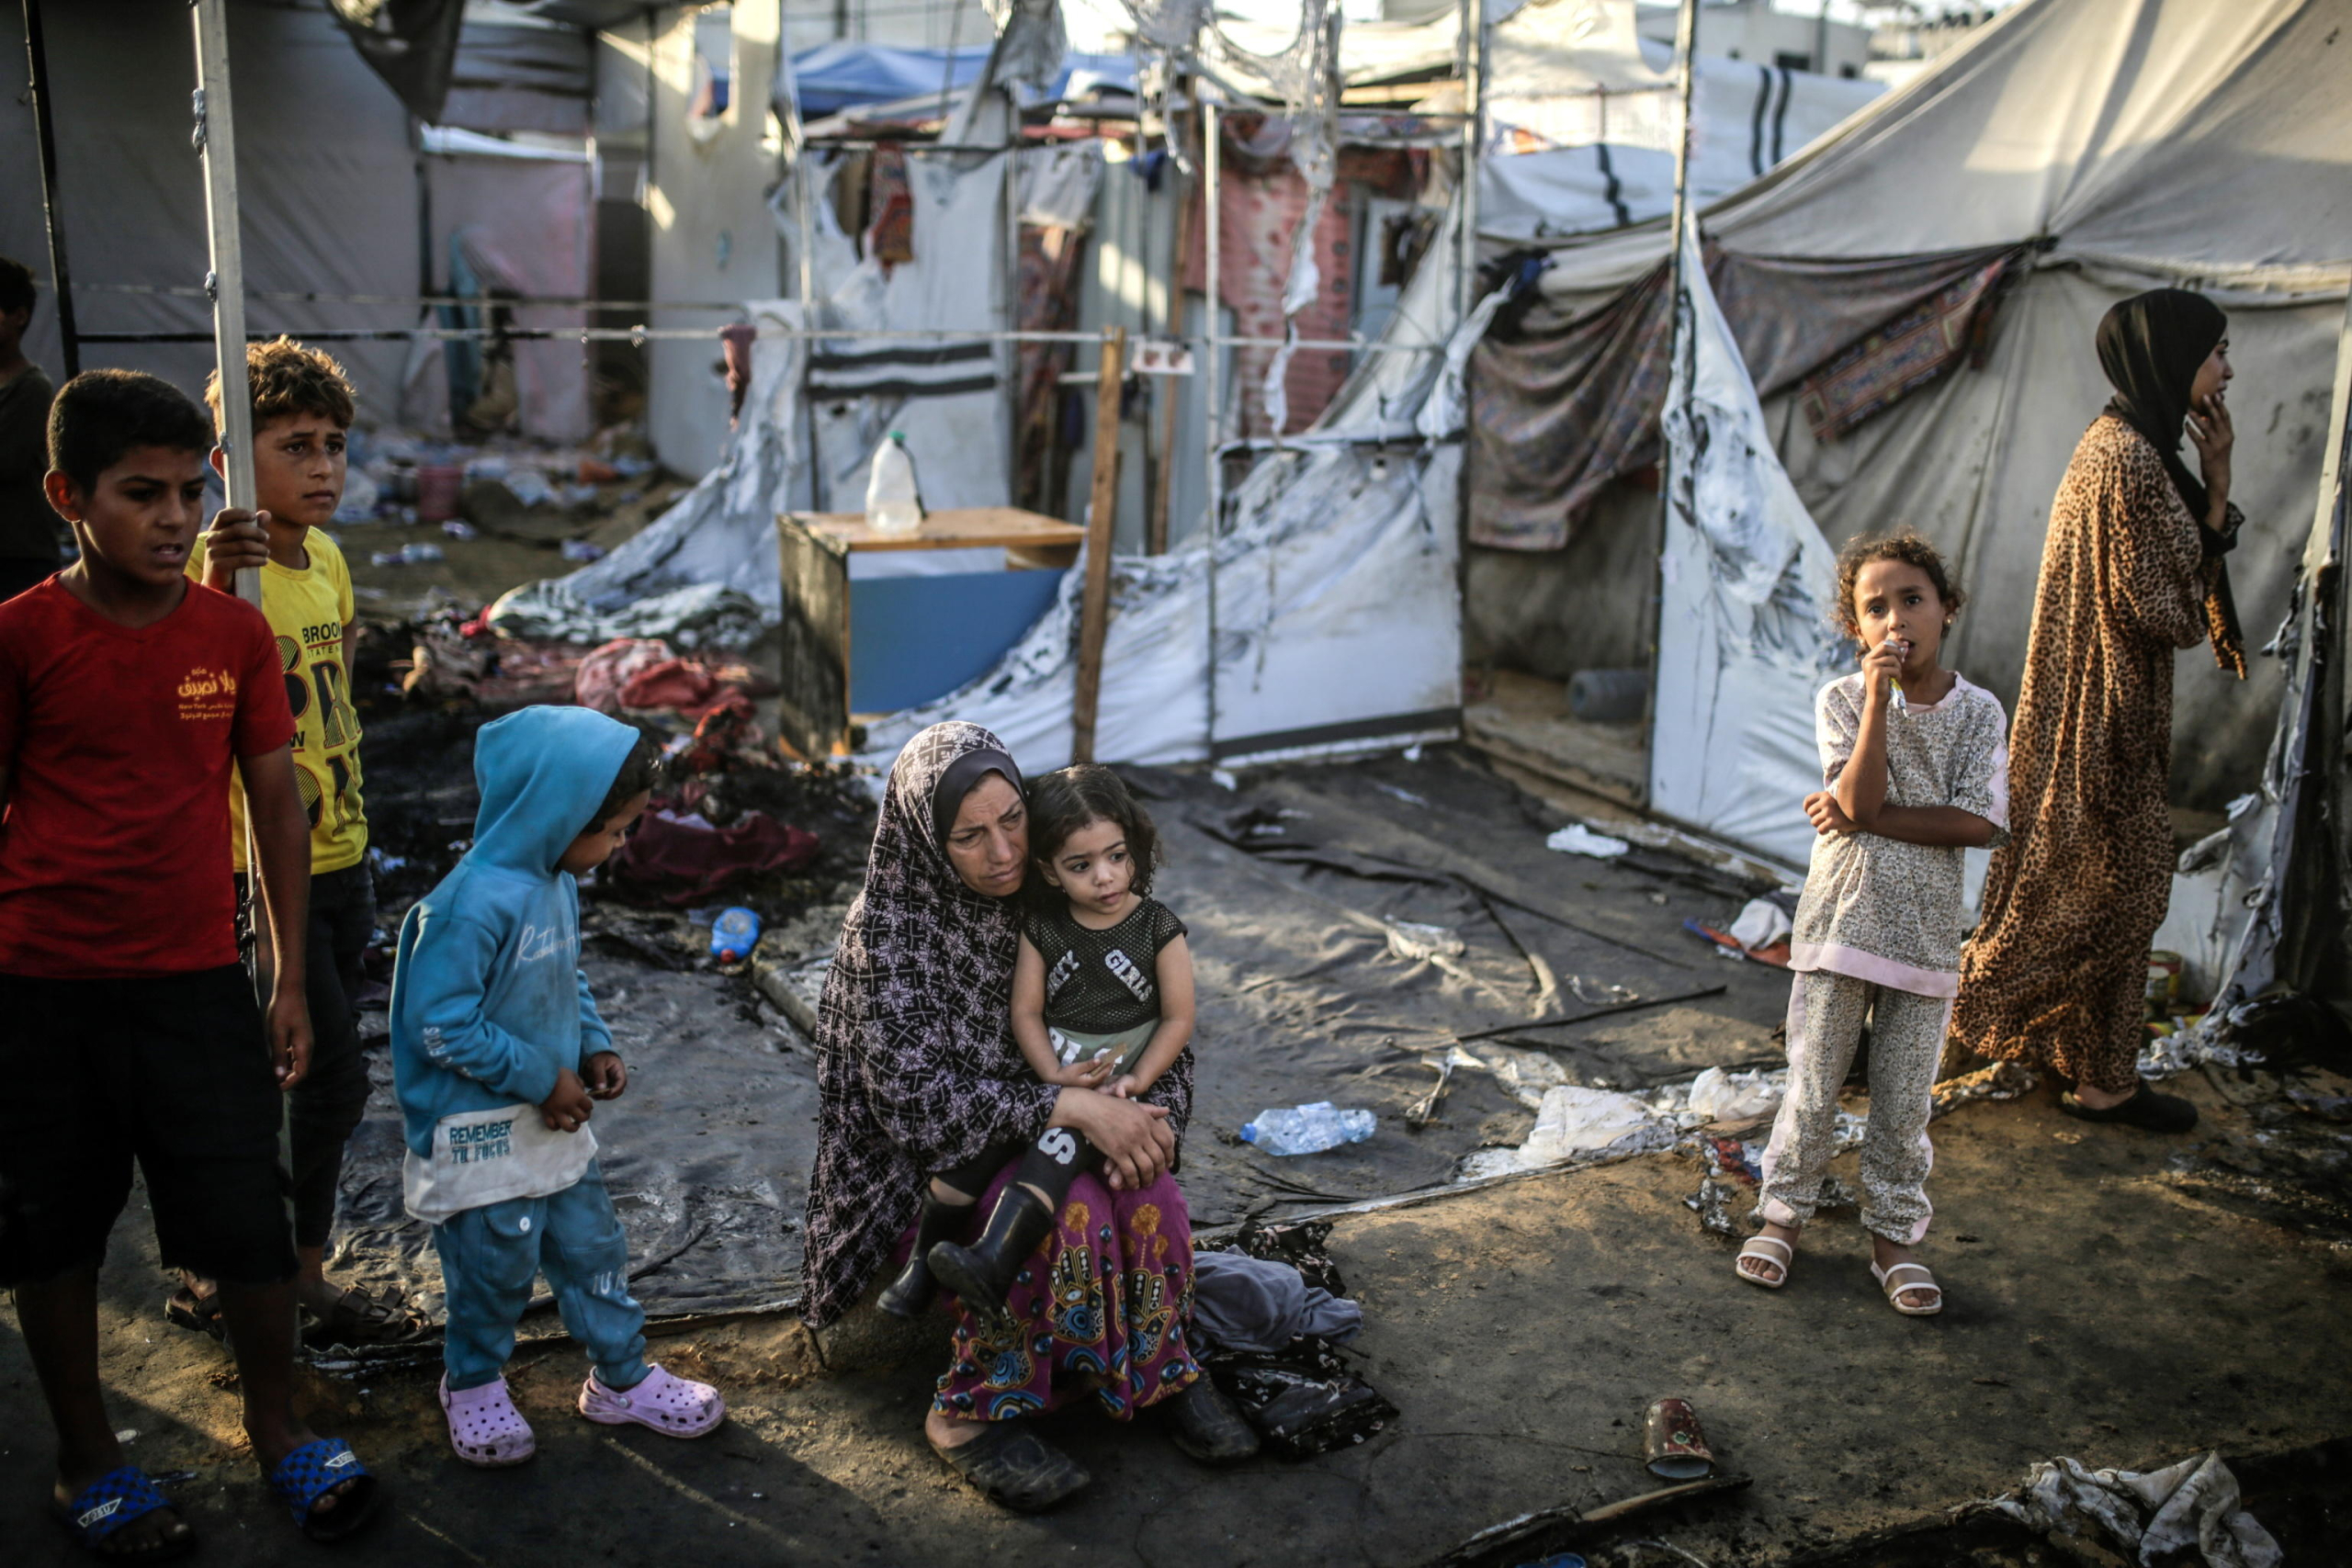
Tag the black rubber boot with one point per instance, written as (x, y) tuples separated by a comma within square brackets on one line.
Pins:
[(981, 1274), (910, 1295)]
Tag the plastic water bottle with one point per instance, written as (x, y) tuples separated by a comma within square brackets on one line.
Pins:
[(734, 934), (1309, 1128), (891, 503)]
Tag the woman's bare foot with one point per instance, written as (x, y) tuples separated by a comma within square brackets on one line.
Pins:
[(1886, 1255), (1764, 1270), (2094, 1100), (950, 1431)]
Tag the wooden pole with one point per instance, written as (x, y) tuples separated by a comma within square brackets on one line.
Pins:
[(45, 133), (1686, 49), (1094, 606), (1170, 389)]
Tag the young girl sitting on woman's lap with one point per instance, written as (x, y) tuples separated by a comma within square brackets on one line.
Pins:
[(1917, 764), (1102, 999)]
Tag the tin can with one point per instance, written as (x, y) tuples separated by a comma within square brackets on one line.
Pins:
[(1673, 1444), (2163, 983)]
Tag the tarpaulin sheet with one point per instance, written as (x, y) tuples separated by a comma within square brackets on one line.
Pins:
[(1318, 977)]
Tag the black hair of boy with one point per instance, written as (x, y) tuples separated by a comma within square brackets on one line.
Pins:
[(1063, 802), (17, 289), (101, 416), (640, 772)]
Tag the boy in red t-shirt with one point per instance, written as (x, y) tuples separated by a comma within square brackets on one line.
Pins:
[(128, 1028)]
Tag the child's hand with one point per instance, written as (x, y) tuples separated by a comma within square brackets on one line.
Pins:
[(567, 1109), (1127, 1086), (1827, 816), (289, 1036), (607, 1075), (1087, 1072), (238, 539), (1881, 665)]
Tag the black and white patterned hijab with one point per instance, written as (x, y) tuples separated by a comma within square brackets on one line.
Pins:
[(917, 923)]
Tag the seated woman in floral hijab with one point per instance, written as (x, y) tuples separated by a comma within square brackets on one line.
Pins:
[(917, 1072)]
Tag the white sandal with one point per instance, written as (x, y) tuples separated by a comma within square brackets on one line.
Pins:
[(1754, 1248), (1895, 1289)]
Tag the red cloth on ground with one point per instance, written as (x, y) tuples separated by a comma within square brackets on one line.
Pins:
[(114, 852), (681, 862), (679, 684), (609, 667)]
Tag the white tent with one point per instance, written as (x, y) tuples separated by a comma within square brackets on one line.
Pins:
[(2138, 144)]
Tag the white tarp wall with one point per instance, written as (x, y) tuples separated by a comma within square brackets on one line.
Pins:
[(1573, 79), (1338, 620), (1747, 585)]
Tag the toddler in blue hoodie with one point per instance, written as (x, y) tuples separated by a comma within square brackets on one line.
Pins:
[(498, 1053)]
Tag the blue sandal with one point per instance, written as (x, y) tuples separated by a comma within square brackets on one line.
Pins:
[(310, 1473), (112, 1501)]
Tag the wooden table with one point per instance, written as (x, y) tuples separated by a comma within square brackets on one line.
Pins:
[(964, 636)]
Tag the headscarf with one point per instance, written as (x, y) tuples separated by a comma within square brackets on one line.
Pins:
[(916, 935), (2151, 347)]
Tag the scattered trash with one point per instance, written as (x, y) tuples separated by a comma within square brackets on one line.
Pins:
[(407, 555), (1481, 1548), (734, 934), (1222, 779), (1763, 923), (682, 859), (457, 529), (1575, 1120), (1407, 796), (1720, 1096), (581, 550), (1308, 1129), (1303, 1399), (1712, 1203), (2191, 1504), (2002, 1081), (1299, 1243), (1576, 839), (1674, 1445)]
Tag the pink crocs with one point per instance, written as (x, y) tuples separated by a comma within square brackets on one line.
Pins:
[(485, 1428), (668, 1404)]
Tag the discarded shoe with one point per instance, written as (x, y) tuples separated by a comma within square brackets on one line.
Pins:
[(2146, 1110)]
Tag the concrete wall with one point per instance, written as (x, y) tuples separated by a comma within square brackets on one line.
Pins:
[(706, 197)]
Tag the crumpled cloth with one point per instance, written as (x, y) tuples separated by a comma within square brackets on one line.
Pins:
[(699, 616), (684, 860), (2194, 1503), (605, 674), (1247, 1303)]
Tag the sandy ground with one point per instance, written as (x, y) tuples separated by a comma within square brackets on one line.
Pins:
[(2103, 1305)]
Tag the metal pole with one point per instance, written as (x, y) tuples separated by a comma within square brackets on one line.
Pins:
[(1686, 43), (1212, 377), (1472, 55), (45, 132), (215, 139)]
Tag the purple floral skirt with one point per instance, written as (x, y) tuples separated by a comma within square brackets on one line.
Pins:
[(1104, 1307)]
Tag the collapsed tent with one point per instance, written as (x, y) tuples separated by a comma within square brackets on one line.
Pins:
[(1914, 298)]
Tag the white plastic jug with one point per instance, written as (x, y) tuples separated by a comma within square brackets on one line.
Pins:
[(891, 504)]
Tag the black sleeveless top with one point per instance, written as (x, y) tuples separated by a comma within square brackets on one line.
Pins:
[(1106, 981)]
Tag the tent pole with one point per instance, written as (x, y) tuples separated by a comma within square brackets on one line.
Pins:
[(1686, 44), (45, 129), (216, 140), (1212, 378), (1471, 52)]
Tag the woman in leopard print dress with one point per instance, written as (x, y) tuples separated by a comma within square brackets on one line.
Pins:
[(2132, 571)]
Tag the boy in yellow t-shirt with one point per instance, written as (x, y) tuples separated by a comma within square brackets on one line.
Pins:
[(302, 414)]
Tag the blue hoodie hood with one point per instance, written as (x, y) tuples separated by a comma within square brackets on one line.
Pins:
[(489, 1006), (543, 773)]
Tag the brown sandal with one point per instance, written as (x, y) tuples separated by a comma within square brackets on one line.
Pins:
[(357, 1319)]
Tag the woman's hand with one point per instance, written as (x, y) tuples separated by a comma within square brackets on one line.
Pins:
[(2210, 430), (1137, 1144)]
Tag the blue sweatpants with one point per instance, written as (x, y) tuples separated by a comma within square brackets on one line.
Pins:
[(490, 1257)]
